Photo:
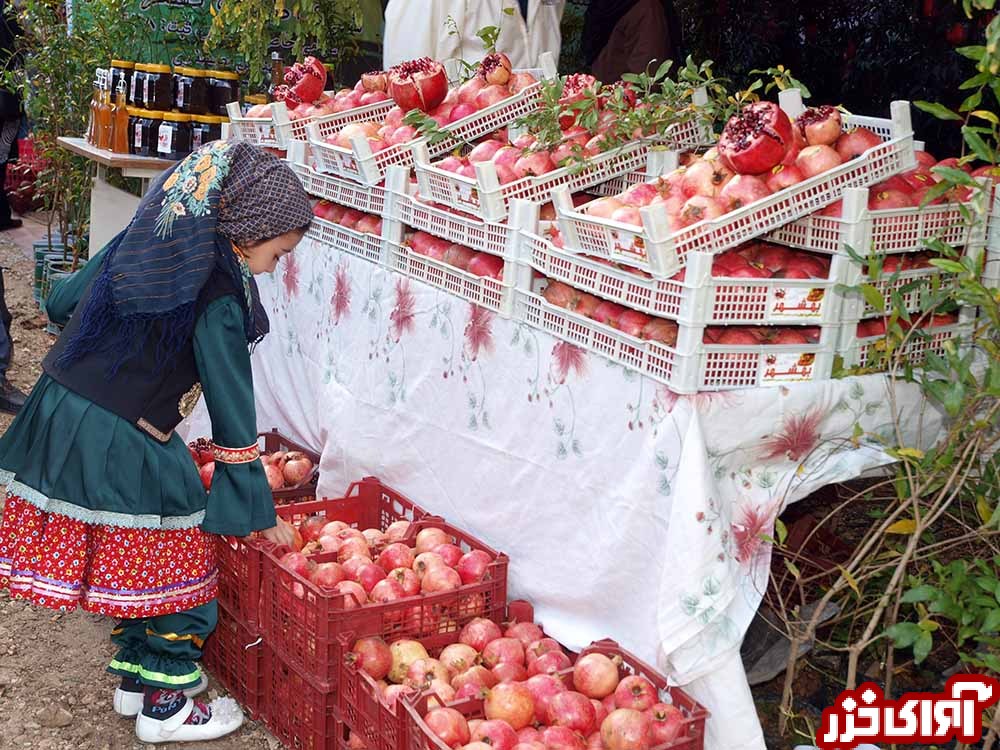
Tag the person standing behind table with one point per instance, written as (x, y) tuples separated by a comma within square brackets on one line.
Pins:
[(421, 29), (624, 36), (105, 509), (11, 398)]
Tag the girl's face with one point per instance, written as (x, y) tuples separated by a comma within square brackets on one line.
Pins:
[(263, 257)]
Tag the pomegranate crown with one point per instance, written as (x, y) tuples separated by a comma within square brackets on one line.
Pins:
[(409, 68)]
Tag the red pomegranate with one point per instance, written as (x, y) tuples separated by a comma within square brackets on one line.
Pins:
[(473, 566), (636, 693), (661, 330), (374, 80), (480, 632), (743, 190), (595, 675), (353, 595), (572, 710), (814, 160), (478, 675), (418, 84), (372, 656), (783, 176), (665, 723), (510, 671), (855, 142), (495, 68), (496, 734), (328, 575), (542, 688), (511, 702), (396, 555), (626, 729), (550, 663), (540, 648), (888, 199), (562, 738), (819, 126), (502, 650), (526, 632), (756, 139), (448, 725)]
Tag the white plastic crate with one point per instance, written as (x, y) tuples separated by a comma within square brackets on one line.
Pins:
[(406, 207), (658, 163), (991, 266), (486, 292), (706, 367), (371, 247), (652, 247), (361, 164), (866, 352), (900, 230), (277, 130), (698, 300), (367, 198), (486, 198)]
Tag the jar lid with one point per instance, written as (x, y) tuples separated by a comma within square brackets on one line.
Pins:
[(206, 119), (122, 64), (142, 67), (176, 117), (134, 111), (157, 68), (191, 72), (226, 75), (152, 114), (256, 98)]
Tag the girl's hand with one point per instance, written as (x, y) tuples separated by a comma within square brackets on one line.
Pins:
[(282, 533)]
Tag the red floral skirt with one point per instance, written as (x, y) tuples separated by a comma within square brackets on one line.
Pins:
[(125, 573)]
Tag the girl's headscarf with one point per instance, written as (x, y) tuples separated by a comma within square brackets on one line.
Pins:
[(192, 220)]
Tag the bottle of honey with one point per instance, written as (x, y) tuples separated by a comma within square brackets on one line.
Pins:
[(104, 116), (95, 98), (119, 122)]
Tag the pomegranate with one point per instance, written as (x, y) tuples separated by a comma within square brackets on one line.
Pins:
[(449, 553), (386, 591), (393, 692), (372, 656), (594, 742), (925, 159), (626, 729), (534, 163), (705, 177), (600, 712), (458, 256), (540, 648), (510, 702), (374, 537), (473, 566), (561, 295), (461, 111), (370, 574), (665, 723), (486, 265), (397, 530), (889, 199), (354, 595), (479, 632), (484, 151), (700, 208), (595, 675), (550, 663), (311, 529), (542, 688), (663, 331), (732, 337), (755, 139), (396, 555), (526, 632), (422, 672), (608, 313), (783, 176), (205, 473), (529, 734), (404, 653), (502, 650), (478, 675), (562, 738), (418, 84), (470, 690), (490, 96), (441, 694), (509, 671), (354, 564), (855, 142), (507, 156), (469, 90), (304, 82), (297, 563), (609, 703), (333, 528), (636, 693), (448, 725), (275, 479), (329, 543), (742, 190), (572, 710), (458, 657), (814, 160), (353, 547), (819, 126), (495, 68), (431, 537), (641, 194), (425, 561), (441, 578), (374, 80), (633, 322), (497, 734), (328, 575), (520, 81)]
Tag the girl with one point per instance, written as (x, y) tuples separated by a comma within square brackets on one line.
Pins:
[(105, 509)]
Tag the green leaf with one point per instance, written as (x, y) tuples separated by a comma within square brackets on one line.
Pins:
[(978, 145), (971, 101), (920, 594), (992, 622), (950, 266), (922, 647), (873, 297), (903, 634), (972, 52), (937, 110), (955, 175), (781, 530)]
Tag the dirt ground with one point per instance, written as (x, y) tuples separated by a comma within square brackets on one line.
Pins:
[(54, 693)]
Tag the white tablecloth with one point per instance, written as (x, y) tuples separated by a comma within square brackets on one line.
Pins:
[(626, 511)]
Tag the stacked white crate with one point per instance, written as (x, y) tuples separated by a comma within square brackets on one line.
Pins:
[(278, 130), (699, 300)]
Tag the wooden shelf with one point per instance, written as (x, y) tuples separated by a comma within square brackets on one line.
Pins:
[(125, 162)]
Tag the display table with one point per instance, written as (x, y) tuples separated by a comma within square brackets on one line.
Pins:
[(111, 209), (626, 511)]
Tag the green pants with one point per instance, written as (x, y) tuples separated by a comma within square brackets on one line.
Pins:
[(162, 651)]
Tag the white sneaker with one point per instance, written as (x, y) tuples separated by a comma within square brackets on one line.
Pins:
[(227, 716), (129, 704)]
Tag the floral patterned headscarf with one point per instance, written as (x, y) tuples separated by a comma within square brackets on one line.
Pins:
[(184, 229)]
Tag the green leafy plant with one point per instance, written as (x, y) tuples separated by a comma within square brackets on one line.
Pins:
[(249, 26), (55, 84)]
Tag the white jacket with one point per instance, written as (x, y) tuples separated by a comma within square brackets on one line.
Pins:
[(418, 28)]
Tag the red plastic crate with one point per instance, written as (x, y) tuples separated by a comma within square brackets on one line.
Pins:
[(379, 726), (234, 655), (239, 559), (298, 710), (304, 622), (419, 737)]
